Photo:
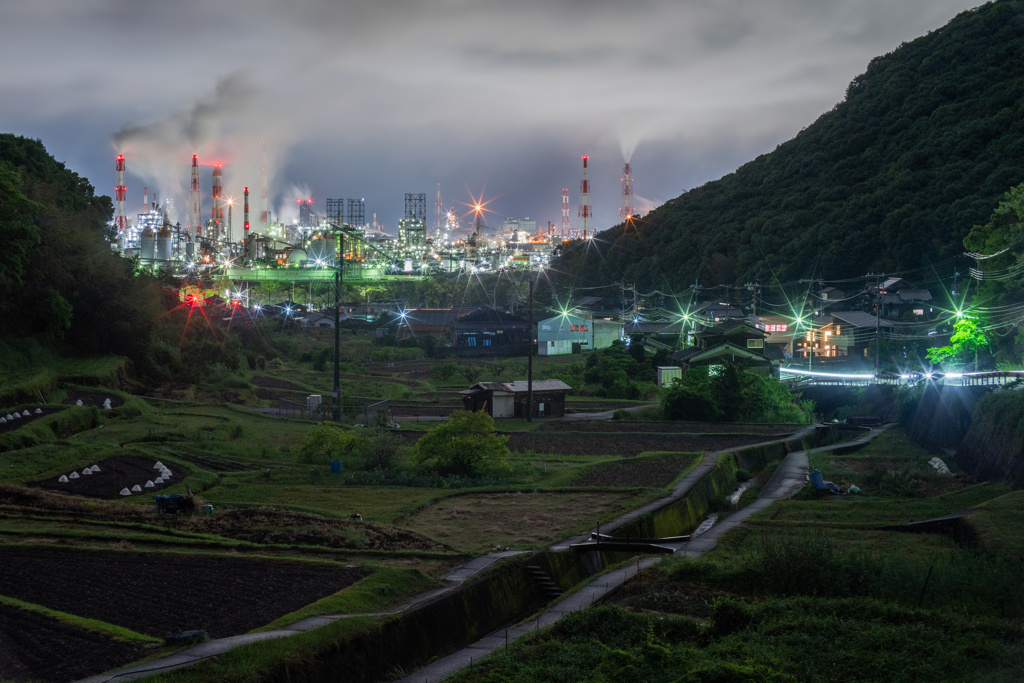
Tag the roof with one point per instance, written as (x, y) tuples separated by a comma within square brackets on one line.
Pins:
[(908, 294), (695, 353), (860, 319), (775, 351), (730, 327), (653, 327), (519, 387), (433, 316)]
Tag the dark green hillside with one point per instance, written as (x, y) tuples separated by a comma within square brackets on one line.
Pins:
[(923, 147), (59, 280)]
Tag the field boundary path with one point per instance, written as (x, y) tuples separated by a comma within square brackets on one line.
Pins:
[(212, 648), (788, 478)]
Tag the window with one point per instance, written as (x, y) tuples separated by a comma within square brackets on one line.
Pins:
[(755, 343), (487, 341)]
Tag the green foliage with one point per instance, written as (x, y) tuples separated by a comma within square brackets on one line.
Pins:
[(382, 449), (326, 442), (733, 394), (471, 372), (464, 444), (444, 371), (964, 345), (892, 178), (58, 276), (618, 371)]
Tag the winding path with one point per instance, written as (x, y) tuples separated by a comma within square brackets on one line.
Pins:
[(787, 480)]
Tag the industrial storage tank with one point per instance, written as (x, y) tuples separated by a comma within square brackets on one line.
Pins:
[(147, 245), (296, 257), (163, 244), (319, 252)]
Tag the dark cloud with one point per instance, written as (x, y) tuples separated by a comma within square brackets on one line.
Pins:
[(376, 98)]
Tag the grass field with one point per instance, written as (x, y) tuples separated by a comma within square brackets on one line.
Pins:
[(815, 589)]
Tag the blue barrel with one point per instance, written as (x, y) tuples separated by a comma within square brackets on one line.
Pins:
[(335, 467), (817, 480)]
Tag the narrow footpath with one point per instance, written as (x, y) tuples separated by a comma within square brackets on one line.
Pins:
[(788, 478)]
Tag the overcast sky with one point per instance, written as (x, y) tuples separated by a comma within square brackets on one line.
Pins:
[(375, 98)]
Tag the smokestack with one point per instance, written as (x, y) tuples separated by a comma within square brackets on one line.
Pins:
[(217, 213), (196, 217), (627, 210), (585, 210), (246, 217), (145, 200), (565, 213), (120, 219)]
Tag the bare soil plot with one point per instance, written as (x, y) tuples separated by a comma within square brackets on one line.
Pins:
[(624, 444), (115, 473), (157, 593), (666, 427), (257, 525), (34, 647), (482, 521), (23, 420), (93, 398), (267, 525), (651, 473)]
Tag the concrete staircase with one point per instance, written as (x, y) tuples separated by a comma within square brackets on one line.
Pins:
[(544, 582)]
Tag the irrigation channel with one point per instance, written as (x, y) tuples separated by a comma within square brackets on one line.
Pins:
[(471, 620)]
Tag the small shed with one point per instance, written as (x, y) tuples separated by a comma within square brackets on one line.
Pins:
[(509, 399)]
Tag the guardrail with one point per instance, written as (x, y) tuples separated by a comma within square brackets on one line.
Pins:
[(962, 379)]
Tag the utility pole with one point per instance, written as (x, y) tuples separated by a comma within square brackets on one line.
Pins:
[(529, 361), (878, 312), (338, 278)]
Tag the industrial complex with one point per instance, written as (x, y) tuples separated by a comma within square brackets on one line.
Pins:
[(319, 240)]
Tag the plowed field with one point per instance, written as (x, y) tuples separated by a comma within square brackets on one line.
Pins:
[(156, 593)]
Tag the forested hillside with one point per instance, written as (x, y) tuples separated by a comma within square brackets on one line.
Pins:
[(59, 281), (922, 148)]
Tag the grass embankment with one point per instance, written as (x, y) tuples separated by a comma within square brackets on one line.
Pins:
[(815, 589), (384, 589), (94, 625)]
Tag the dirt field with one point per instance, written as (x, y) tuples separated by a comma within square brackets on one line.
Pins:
[(11, 425), (481, 521), (36, 648), (653, 473), (665, 427), (156, 593), (93, 398), (597, 443), (259, 525), (266, 525), (115, 474)]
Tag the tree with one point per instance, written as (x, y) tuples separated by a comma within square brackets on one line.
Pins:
[(327, 442), (496, 368), (465, 444), (471, 372), (967, 340), (444, 371)]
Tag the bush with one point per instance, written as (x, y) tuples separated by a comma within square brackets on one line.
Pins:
[(382, 449), (464, 444), (327, 442)]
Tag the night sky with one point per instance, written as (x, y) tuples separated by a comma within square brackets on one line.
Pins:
[(375, 98)]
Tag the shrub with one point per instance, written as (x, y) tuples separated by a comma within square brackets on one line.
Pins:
[(471, 372), (382, 449), (327, 442), (464, 444), (444, 371)]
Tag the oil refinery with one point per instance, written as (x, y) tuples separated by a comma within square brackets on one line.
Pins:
[(310, 245)]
